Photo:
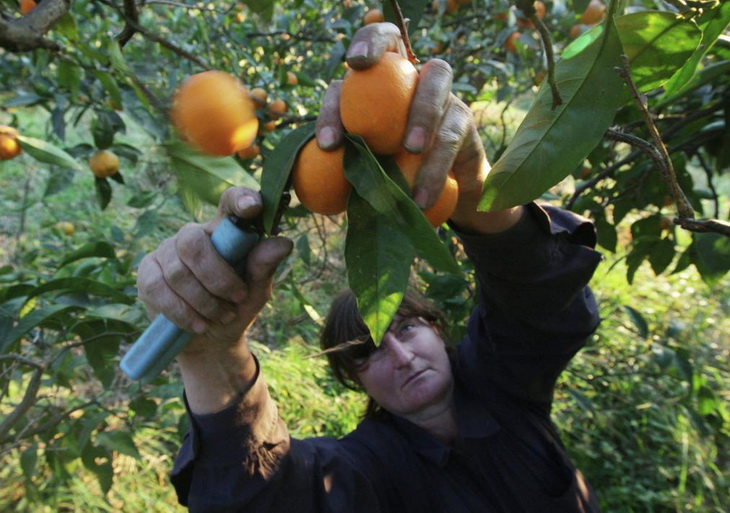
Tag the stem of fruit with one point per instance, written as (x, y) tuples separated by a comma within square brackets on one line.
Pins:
[(403, 26)]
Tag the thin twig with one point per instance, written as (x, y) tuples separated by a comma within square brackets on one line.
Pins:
[(403, 26), (528, 9), (31, 392), (684, 208), (130, 12)]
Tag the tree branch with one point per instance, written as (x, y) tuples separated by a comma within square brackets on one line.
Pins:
[(31, 392), (131, 13), (684, 209), (403, 26), (26, 33)]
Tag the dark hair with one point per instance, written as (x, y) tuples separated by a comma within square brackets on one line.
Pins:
[(345, 338)]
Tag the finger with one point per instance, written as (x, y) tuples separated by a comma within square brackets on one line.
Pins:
[(329, 127), (439, 159), (261, 265), (238, 201), (428, 105), (159, 297), (212, 285), (371, 42)]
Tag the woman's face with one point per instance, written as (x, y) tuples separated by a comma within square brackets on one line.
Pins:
[(409, 373)]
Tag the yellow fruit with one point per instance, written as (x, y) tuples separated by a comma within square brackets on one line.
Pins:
[(409, 164), (319, 180), (250, 152), (373, 16), (27, 5), (9, 146), (104, 164), (214, 111), (374, 102), (278, 108), (594, 13), (259, 95), (67, 228)]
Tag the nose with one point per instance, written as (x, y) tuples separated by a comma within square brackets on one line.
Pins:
[(398, 352)]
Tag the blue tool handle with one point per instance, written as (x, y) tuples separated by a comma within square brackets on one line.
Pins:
[(162, 340)]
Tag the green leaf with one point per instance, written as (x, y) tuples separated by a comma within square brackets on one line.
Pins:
[(378, 256), (99, 461), (657, 45), (82, 285), (371, 182), (69, 77), (204, 178), (90, 250), (410, 9), (47, 153), (110, 86), (264, 8), (275, 177), (550, 144), (116, 58), (713, 23), (103, 192), (103, 129), (29, 461), (711, 256), (638, 320), (37, 317), (119, 441), (101, 353)]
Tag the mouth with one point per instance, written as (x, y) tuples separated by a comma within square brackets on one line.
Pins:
[(413, 377)]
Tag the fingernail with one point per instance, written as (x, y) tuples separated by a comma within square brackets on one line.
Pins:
[(228, 317), (326, 138), (420, 197), (358, 50), (416, 140), (246, 202), (199, 326)]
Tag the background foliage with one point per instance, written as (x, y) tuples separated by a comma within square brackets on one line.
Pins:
[(643, 409)]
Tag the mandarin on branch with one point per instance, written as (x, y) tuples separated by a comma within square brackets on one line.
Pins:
[(104, 164), (9, 146), (213, 110), (374, 102), (319, 180)]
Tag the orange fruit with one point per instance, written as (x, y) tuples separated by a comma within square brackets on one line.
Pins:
[(452, 6), (319, 179), (259, 95), (373, 16), (278, 108), (27, 5), (104, 164), (409, 164), (9, 146), (510, 44), (523, 21), (65, 227), (594, 13), (213, 110), (250, 152), (269, 126), (374, 102), (291, 78)]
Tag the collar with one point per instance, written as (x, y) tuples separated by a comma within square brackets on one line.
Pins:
[(472, 417)]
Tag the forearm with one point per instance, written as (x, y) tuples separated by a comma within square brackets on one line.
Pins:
[(214, 379)]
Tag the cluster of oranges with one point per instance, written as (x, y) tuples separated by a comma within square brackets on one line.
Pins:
[(215, 112), (318, 176), (9, 145)]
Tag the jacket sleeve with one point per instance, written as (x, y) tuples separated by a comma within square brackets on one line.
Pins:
[(243, 459), (535, 308)]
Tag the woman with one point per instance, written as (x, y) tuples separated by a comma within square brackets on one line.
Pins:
[(465, 432)]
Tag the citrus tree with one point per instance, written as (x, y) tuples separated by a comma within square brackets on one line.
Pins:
[(623, 109)]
